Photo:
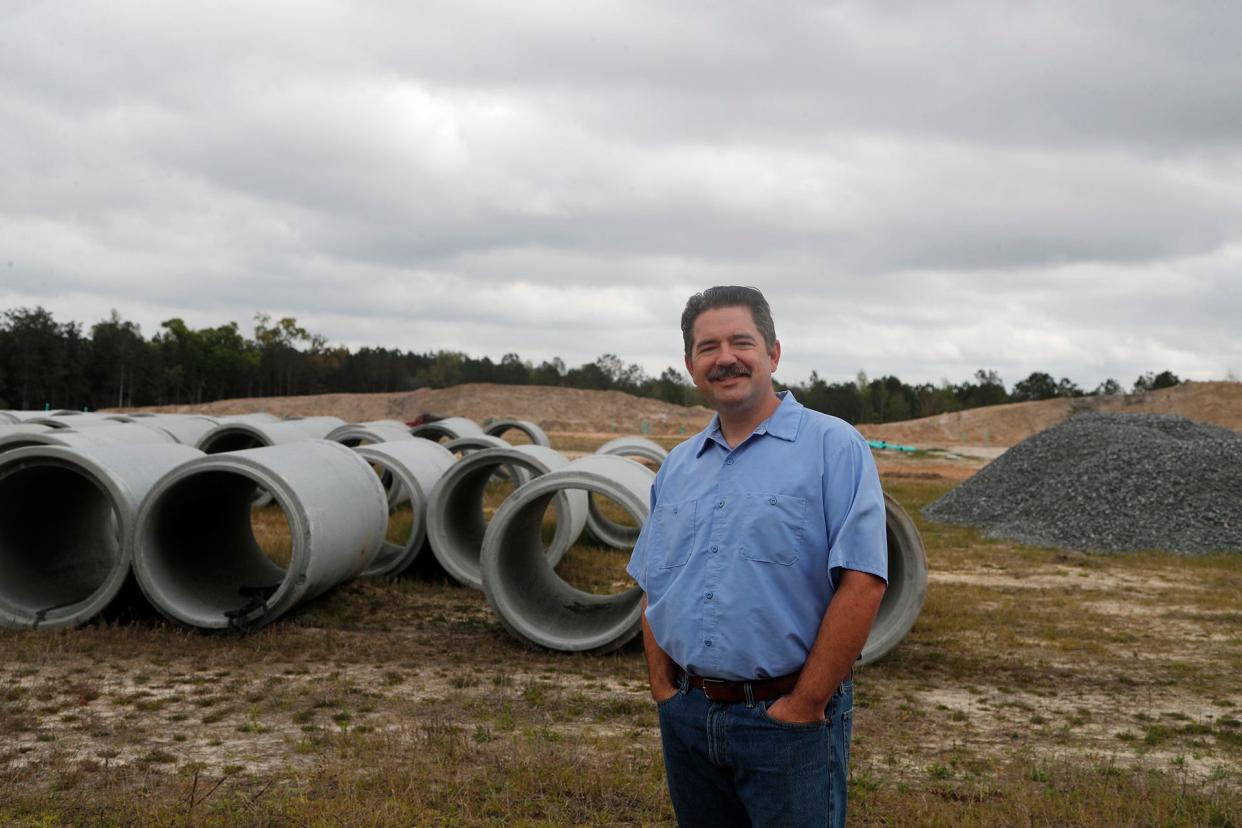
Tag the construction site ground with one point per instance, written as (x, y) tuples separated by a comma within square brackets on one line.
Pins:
[(1038, 687)]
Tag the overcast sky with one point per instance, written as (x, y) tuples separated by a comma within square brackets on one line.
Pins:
[(920, 189)]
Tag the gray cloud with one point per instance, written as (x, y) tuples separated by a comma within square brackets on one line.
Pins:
[(922, 190)]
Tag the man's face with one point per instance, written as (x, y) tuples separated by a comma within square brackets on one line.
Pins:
[(728, 360)]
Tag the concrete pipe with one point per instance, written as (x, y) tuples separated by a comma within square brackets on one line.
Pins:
[(529, 598), (185, 429), (119, 434), (414, 466), (907, 584), (80, 421), (22, 428), (242, 435), (468, 445), (330, 422), (456, 524), (67, 518), (252, 417), (376, 431), (450, 428), (196, 557), (608, 532), (534, 432), (7, 418)]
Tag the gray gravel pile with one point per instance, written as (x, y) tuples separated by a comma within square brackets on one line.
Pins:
[(1110, 482)]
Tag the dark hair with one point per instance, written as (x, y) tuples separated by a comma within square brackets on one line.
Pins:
[(729, 296)]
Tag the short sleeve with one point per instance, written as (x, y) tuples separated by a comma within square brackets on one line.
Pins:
[(637, 567), (853, 506)]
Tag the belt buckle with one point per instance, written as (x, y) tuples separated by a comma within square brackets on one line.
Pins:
[(708, 683)]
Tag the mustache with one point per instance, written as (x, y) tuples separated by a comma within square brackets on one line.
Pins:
[(721, 372)]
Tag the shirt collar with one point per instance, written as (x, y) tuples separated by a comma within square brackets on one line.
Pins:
[(782, 423)]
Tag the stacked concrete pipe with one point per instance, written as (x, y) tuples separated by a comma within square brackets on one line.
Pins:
[(67, 523), (608, 532), (415, 466), (456, 525), (195, 554), (9, 418), (531, 430), (449, 428), (907, 584), (530, 599)]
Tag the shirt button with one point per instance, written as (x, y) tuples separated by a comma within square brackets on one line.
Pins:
[(709, 595), (708, 642), (729, 462), (772, 500), (714, 548), (720, 505)]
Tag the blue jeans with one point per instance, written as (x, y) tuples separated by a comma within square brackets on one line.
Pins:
[(729, 764)]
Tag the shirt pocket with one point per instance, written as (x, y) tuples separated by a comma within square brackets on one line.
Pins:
[(774, 528), (674, 533)]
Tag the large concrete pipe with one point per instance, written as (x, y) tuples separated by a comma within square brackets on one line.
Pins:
[(375, 431), (450, 428), (7, 418), (529, 598), (415, 466), (119, 434), (534, 432), (609, 532), (195, 554), (67, 518), (456, 523), (907, 584)]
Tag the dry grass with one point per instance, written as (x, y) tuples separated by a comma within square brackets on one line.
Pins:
[(1038, 688)]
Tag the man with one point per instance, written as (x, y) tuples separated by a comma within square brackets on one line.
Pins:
[(763, 562)]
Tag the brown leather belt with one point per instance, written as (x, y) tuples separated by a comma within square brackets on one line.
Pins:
[(720, 690)]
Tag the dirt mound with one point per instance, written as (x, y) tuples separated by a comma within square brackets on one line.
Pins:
[(1217, 403), (552, 408)]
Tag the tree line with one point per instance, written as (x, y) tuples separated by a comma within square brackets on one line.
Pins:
[(49, 364)]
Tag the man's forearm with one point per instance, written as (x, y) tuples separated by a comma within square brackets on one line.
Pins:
[(841, 637), (661, 670)]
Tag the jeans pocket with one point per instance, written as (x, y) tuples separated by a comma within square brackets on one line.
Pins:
[(762, 707)]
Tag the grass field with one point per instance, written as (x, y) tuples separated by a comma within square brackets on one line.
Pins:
[(1039, 687)]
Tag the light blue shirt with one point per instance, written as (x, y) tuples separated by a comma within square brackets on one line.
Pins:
[(741, 553)]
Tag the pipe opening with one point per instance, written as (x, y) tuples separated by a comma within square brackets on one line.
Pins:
[(542, 606), (270, 527), (599, 567), (404, 530), (231, 441), (206, 554), (59, 540)]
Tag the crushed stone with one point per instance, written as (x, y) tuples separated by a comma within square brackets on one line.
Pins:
[(1110, 482)]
